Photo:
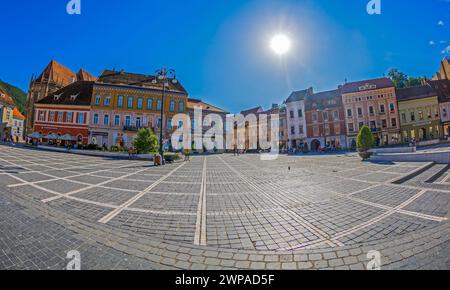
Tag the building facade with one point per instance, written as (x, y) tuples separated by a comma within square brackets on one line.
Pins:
[(18, 125), (206, 110), (296, 120), (123, 102), (419, 114), (54, 77), (6, 115), (442, 90), (67, 111), (372, 103), (325, 121)]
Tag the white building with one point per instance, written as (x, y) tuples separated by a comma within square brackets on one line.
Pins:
[(18, 124), (296, 121)]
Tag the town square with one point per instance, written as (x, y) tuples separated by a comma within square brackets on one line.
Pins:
[(261, 136)]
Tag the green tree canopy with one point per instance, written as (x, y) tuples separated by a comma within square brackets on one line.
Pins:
[(365, 139), (145, 141), (401, 80)]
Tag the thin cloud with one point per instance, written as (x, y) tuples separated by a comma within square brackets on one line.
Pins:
[(441, 23)]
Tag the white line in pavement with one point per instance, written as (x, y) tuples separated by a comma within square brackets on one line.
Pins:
[(132, 200), (91, 186), (200, 225)]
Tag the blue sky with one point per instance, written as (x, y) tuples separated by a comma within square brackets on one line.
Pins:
[(221, 49)]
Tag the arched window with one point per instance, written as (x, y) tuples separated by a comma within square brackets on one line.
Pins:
[(172, 106)]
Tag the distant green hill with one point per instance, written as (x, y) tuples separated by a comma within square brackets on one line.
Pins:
[(19, 96)]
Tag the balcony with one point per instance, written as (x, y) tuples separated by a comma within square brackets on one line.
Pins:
[(132, 128)]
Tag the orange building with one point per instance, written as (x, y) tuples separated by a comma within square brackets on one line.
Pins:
[(54, 77)]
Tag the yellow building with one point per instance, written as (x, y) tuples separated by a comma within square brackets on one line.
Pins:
[(419, 114), (6, 114), (123, 102), (444, 70)]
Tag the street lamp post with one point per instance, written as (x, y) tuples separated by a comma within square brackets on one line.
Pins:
[(163, 76)]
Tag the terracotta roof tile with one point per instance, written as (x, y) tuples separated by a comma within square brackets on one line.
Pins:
[(414, 93), (78, 94), (367, 85), (17, 114)]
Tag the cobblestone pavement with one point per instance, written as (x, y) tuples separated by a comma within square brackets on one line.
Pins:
[(221, 212)]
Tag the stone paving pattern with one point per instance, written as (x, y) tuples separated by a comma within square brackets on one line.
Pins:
[(326, 212)]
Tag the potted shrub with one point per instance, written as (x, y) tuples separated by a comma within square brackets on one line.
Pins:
[(365, 142)]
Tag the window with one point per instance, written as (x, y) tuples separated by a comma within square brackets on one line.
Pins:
[(60, 117), (180, 124), (116, 120), (140, 103), (130, 102), (300, 113), (349, 113), (159, 105), (95, 120), (158, 123), (180, 107), (327, 129), (384, 123), (120, 102), (149, 104), (444, 112), (325, 116), (394, 122), (392, 107), (371, 110), (403, 117), (107, 101), (69, 117), (373, 125), (350, 127), (291, 114), (41, 116), (172, 106), (300, 130), (336, 115), (106, 120), (382, 109), (293, 130), (138, 122), (97, 100), (127, 121), (413, 117), (361, 124), (420, 115), (316, 131), (360, 112), (52, 116), (169, 123), (314, 117), (81, 118)]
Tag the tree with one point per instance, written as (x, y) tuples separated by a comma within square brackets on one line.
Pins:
[(399, 79), (402, 80), (145, 141), (364, 142)]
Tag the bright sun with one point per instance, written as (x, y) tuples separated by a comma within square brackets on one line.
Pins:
[(280, 44)]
